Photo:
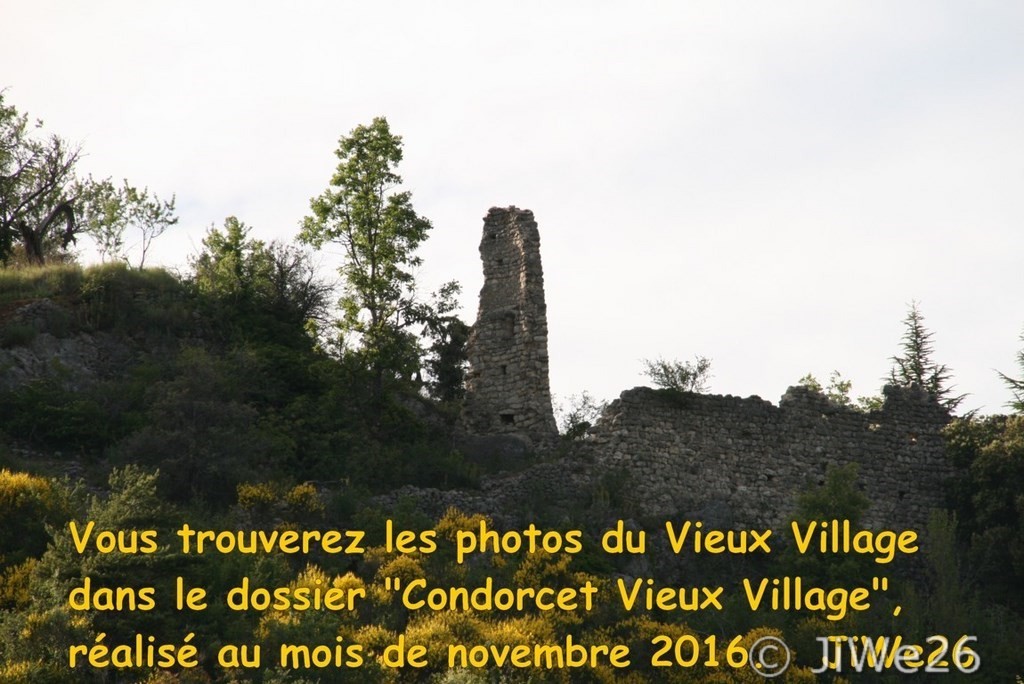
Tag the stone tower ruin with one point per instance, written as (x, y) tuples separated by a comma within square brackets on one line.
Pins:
[(507, 389)]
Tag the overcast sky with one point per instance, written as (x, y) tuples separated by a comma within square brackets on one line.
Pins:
[(765, 184)]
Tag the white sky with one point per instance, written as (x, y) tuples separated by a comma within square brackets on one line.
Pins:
[(765, 184)]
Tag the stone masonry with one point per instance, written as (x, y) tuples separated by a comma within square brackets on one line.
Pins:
[(749, 460), (736, 461), (507, 391), (730, 462)]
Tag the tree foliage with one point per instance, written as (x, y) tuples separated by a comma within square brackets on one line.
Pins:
[(108, 211), (915, 365), (36, 189), (246, 273), (1016, 385), (446, 359), (44, 206), (582, 412), (838, 392), (379, 231), (681, 376), (989, 502)]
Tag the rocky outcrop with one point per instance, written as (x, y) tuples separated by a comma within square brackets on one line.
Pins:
[(42, 343)]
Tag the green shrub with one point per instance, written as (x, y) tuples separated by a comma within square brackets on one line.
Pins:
[(27, 505), (679, 376)]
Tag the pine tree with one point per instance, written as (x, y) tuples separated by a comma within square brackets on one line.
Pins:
[(916, 367), (1016, 385)]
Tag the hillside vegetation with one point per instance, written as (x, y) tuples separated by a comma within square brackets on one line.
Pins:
[(212, 387), (236, 398)]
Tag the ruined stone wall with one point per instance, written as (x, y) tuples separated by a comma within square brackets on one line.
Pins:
[(507, 390), (747, 460), (728, 461)]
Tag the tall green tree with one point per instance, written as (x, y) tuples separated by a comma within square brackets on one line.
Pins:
[(108, 211), (915, 365), (364, 212), (36, 189)]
